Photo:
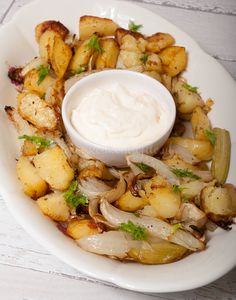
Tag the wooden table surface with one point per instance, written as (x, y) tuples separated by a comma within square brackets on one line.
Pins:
[(28, 271)]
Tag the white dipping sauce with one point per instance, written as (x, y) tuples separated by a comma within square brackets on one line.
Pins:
[(120, 118)]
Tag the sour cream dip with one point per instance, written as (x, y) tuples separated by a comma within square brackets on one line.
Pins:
[(118, 117)]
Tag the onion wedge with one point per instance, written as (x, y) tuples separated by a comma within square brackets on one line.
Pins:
[(154, 226), (183, 153), (156, 164)]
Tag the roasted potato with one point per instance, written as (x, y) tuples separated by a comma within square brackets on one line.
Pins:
[(130, 59), (186, 100), (121, 32), (157, 253), (54, 206), (200, 123), (55, 93), (165, 201), (88, 25), (81, 57), (174, 60), (60, 56), (35, 110), (33, 185), (52, 25), (203, 150), (153, 63), (46, 43), (159, 41), (29, 148), (219, 202), (109, 55), (31, 82), (53, 167), (154, 75), (81, 228), (128, 202)]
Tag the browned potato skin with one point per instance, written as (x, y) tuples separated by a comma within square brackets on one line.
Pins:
[(46, 43), (60, 56), (108, 58), (81, 228), (88, 25), (128, 202), (31, 79), (57, 93), (81, 57), (54, 206), (159, 41), (174, 59), (33, 185), (35, 110), (203, 150), (200, 123), (153, 63), (29, 149), (53, 167), (121, 32), (55, 26)]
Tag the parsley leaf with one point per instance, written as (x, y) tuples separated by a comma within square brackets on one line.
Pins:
[(144, 58), (42, 73), (137, 232), (38, 140), (177, 189), (134, 27), (184, 173), (190, 87), (177, 226), (142, 166), (211, 136), (93, 43), (81, 69), (74, 197)]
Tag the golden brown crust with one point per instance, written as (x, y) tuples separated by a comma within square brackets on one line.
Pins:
[(55, 26), (121, 32)]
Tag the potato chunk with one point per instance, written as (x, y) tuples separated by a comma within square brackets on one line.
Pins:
[(35, 110), (29, 148), (121, 32), (46, 43), (78, 229), (128, 202), (31, 82), (153, 63), (108, 58), (174, 59), (52, 25), (159, 41), (88, 25), (33, 185), (54, 168), (165, 201), (200, 123), (60, 56), (54, 206)]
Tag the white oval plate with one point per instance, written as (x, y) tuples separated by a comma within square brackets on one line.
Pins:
[(203, 71)]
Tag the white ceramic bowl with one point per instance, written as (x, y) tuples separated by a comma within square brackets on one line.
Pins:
[(131, 80)]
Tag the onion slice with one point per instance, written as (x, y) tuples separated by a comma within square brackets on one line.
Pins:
[(156, 164), (154, 226), (183, 153), (33, 64), (111, 243)]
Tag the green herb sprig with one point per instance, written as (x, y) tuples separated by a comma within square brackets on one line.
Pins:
[(142, 166), (74, 197), (177, 189), (176, 227), (93, 43), (137, 232), (42, 73), (144, 58), (211, 136), (184, 173), (190, 87), (38, 140), (134, 27)]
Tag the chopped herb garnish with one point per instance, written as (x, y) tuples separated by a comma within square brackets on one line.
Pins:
[(211, 136), (81, 69), (177, 189), (190, 87), (142, 166), (134, 27), (74, 197), (93, 43), (176, 227), (184, 173), (144, 58), (137, 232), (42, 73), (38, 140)]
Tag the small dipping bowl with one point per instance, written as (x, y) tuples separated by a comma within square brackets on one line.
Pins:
[(139, 82)]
